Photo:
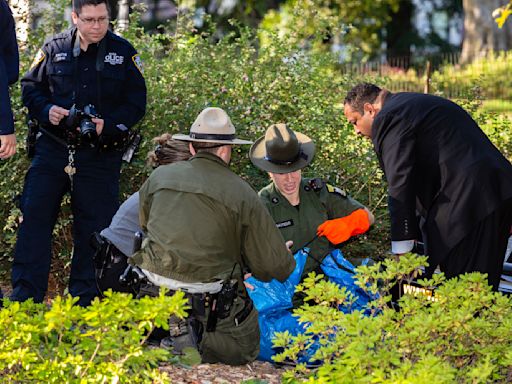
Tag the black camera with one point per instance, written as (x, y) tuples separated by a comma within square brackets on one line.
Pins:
[(82, 119)]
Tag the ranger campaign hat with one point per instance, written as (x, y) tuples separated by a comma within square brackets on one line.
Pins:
[(282, 150), (212, 125)]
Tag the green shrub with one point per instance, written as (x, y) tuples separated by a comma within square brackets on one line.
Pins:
[(462, 336), (98, 344)]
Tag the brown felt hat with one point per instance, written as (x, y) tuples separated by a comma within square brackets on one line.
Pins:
[(282, 150), (212, 125)]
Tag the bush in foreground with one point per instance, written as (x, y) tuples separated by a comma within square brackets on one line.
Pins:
[(103, 343), (462, 336)]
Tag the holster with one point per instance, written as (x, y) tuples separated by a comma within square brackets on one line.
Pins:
[(131, 146), (246, 310), (100, 246), (134, 278), (30, 141), (109, 264), (148, 289), (221, 304)]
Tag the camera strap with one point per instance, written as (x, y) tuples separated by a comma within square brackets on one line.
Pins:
[(76, 53)]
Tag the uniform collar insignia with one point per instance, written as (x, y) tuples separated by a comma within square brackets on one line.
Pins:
[(61, 56)]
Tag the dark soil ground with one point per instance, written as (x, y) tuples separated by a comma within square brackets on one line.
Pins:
[(219, 373)]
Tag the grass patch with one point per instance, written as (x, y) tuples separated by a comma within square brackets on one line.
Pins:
[(498, 106)]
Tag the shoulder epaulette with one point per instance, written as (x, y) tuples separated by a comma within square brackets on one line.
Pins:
[(59, 36), (336, 190)]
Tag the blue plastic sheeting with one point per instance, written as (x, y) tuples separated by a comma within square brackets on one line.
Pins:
[(273, 300), (274, 296)]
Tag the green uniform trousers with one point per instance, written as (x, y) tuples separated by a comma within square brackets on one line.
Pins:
[(230, 343)]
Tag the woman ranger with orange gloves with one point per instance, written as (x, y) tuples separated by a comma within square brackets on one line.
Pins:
[(307, 211)]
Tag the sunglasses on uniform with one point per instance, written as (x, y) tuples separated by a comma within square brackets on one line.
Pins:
[(91, 20)]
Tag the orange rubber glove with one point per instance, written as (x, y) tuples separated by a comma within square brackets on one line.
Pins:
[(339, 230)]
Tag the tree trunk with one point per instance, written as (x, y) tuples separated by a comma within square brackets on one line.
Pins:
[(399, 34), (123, 15), (481, 34)]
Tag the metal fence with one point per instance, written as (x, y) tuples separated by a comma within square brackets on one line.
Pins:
[(489, 76)]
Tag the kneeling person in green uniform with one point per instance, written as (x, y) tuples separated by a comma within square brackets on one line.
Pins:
[(306, 211), (205, 229)]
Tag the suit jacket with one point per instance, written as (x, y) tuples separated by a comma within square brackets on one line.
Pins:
[(439, 166)]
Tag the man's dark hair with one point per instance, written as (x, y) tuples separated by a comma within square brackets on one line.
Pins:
[(359, 95), (78, 4)]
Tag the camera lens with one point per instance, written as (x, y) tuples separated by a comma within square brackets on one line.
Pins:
[(88, 130)]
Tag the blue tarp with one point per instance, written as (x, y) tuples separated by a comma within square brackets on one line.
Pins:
[(273, 300)]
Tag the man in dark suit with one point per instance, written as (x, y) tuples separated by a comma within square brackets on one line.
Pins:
[(440, 167)]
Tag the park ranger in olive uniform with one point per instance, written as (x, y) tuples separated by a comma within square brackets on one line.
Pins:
[(299, 206), (205, 229)]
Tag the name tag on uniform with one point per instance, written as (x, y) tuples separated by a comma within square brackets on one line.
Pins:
[(113, 58), (284, 224), (61, 56)]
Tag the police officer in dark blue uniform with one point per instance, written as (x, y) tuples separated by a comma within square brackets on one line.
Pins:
[(9, 72), (90, 70)]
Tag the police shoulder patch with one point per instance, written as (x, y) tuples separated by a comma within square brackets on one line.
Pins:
[(39, 57), (138, 63), (336, 190)]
